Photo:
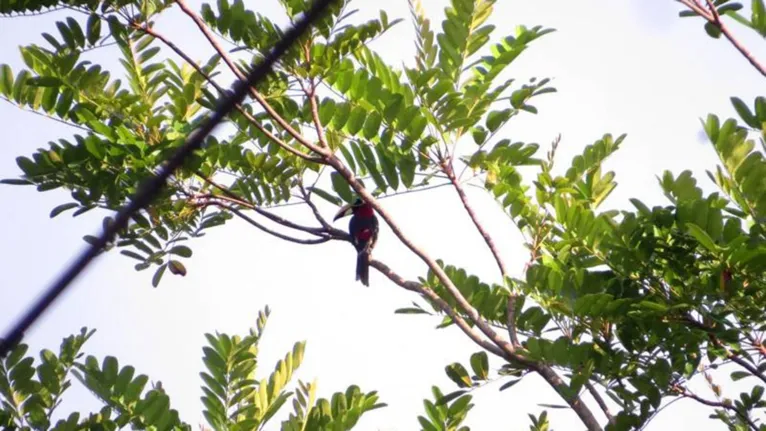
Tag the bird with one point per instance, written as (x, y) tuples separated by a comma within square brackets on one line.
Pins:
[(363, 228)]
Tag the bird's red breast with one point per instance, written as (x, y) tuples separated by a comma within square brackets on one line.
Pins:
[(365, 234), (365, 211)]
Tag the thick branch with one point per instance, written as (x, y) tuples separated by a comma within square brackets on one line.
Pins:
[(600, 401), (238, 73), (553, 379), (508, 349), (220, 90), (414, 286), (711, 15)]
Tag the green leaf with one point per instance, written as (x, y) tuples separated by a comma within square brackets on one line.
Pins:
[(508, 384), (712, 30), (407, 167), (6, 80), (340, 185), (63, 207), (480, 365), (700, 235), (158, 274), (372, 125), (410, 310), (181, 250), (450, 396), (739, 375), (458, 374), (326, 196), (744, 113), (93, 27), (133, 254), (356, 120), (388, 166)]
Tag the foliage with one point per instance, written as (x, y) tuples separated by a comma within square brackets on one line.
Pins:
[(629, 305), (234, 399)]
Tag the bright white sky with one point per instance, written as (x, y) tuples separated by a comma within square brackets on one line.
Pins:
[(628, 66)]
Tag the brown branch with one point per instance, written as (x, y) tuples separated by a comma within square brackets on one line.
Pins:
[(508, 349), (244, 217), (416, 287), (600, 401), (553, 379), (450, 172), (712, 16), (511, 319), (238, 73), (742, 415), (232, 197), (749, 367), (729, 354), (315, 115), (220, 90), (314, 209)]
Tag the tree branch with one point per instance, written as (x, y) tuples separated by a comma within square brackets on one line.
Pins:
[(311, 94), (711, 15), (314, 209), (244, 217), (321, 232), (742, 415), (600, 401), (448, 170), (416, 287), (729, 354), (238, 73), (220, 90), (508, 349)]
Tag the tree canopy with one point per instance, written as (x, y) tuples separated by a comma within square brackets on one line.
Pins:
[(616, 310)]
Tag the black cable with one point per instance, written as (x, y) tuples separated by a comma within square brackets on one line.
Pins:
[(150, 188)]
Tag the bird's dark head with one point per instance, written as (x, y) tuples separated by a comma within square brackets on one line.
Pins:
[(353, 208)]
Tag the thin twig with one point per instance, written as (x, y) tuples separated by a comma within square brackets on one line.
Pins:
[(742, 415), (31, 111), (244, 217), (220, 90), (238, 73), (335, 233), (414, 286), (314, 209), (448, 170), (311, 94), (712, 16)]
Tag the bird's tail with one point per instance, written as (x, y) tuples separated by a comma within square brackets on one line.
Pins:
[(363, 267)]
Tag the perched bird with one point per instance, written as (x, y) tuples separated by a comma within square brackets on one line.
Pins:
[(363, 228)]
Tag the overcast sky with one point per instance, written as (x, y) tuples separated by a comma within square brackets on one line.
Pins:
[(624, 66)]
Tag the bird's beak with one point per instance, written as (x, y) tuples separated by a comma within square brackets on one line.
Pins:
[(346, 210)]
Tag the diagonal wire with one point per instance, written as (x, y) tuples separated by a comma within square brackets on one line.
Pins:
[(150, 188)]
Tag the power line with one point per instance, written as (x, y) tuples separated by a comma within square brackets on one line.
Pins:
[(150, 188)]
